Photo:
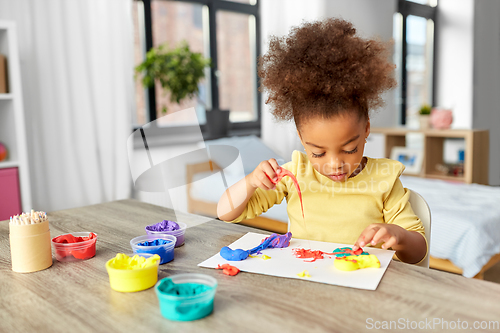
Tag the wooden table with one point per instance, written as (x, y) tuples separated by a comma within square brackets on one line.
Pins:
[(76, 297)]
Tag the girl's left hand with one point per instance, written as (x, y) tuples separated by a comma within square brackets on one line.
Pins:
[(390, 234)]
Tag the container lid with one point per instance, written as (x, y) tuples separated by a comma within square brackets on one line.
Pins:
[(24, 230)]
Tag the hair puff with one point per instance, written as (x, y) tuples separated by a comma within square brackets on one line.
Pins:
[(323, 68)]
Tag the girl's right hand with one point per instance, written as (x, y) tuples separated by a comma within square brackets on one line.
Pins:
[(263, 174)]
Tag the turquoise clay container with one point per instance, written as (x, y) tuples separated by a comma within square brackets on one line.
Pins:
[(186, 297)]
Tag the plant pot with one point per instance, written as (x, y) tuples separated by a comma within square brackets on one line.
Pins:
[(424, 121), (217, 123), (441, 118)]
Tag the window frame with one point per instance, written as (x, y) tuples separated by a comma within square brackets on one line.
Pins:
[(407, 8), (240, 128)]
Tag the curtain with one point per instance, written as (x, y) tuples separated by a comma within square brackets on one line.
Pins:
[(77, 77)]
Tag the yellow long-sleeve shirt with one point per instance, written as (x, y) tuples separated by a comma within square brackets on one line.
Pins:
[(338, 211)]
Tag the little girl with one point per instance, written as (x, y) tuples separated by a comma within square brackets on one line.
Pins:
[(326, 79)]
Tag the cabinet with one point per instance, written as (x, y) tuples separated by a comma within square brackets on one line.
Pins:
[(12, 124), (476, 161)]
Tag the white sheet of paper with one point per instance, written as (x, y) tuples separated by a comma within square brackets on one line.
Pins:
[(284, 264)]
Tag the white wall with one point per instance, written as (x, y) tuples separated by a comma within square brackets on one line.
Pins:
[(486, 82), (454, 63)]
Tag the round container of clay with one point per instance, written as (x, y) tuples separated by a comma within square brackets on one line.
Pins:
[(186, 297), (165, 251), (124, 279), (179, 233)]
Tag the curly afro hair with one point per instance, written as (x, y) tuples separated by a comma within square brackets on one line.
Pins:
[(323, 69)]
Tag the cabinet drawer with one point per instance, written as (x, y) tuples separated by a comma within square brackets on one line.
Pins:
[(10, 195)]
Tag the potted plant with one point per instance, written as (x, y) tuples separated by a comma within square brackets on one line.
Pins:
[(424, 115), (178, 70)]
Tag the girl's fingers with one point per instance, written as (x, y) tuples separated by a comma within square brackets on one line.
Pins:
[(390, 243), (380, 235), (368, 234), (275, 165), (269, 171), (265, 182)]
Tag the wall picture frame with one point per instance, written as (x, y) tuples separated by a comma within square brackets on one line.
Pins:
[(411, 158)]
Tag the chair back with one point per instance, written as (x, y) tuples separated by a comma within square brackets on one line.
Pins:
[(422, 210)]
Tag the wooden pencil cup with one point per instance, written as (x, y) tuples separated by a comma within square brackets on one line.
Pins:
[(30, 247)]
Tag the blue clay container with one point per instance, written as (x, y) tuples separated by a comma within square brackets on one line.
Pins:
[(186, 297), (165, 251)]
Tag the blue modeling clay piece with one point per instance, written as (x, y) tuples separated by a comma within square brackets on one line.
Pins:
[(155, 242), (239, 254), (233, 255)]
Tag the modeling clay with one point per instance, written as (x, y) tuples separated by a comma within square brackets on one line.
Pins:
[(303, 253), (86, 253), (264, 257), (239, 254), (285, 172), (347, 251), (280, 241), (233, 255), (352, 263), (155, 242), (69, 238), (83, 251), (168, 287), (228, 269), (165, 225), (304, 274), (185, 301), (122, 261)]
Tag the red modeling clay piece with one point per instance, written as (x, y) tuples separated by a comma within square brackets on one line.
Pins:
[(89, 252), (69, 238), (285, 172), (228, 269), (303, 253), (84, 253)]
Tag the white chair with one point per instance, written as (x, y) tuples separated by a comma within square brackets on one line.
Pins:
[(422, 210)]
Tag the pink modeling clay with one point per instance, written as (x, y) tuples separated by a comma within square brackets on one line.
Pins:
[(285, 172)]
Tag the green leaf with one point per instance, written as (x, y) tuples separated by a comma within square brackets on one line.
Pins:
[(178, 70)]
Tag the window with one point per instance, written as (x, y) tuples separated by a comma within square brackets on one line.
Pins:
[(225, 31), (414, 29)]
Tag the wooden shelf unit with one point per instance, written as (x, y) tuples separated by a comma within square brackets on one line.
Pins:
[(476, 164)]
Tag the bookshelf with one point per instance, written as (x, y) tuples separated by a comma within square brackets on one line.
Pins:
[(12, 125), (476, 163)]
